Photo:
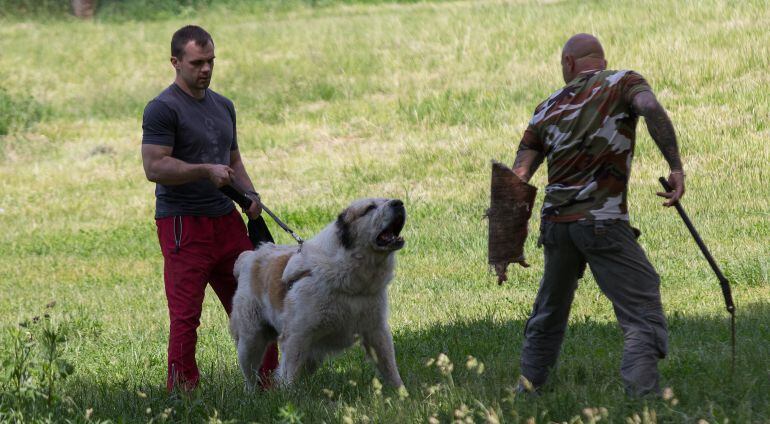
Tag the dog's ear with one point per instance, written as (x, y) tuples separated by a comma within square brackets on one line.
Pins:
[(343, 231)]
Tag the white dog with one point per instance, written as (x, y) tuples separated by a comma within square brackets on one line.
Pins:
[(316, 299)]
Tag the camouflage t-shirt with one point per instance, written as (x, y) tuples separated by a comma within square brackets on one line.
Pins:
[(586, 131)]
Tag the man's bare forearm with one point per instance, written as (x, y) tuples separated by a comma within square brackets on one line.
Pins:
[(662, 131), (172, 171), (659, 126), (526, 163), (160, 167), (240, 175)]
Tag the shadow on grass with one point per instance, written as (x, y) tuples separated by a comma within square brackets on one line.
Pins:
[(698, 369)]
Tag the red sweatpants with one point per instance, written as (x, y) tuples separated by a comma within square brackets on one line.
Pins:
[(198, 250)]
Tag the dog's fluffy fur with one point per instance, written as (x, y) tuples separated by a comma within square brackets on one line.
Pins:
[(315, 301)]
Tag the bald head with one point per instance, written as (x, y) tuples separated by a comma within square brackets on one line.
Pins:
[(583, 45), (582, 52)]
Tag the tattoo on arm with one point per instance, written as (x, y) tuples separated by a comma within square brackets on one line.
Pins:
[(660, 127)]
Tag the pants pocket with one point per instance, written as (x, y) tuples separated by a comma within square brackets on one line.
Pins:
[(601, 236), (547, 236)]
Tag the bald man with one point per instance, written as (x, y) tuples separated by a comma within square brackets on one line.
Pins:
[(586, 132)]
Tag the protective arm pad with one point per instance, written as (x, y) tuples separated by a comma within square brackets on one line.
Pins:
[(511, 203)]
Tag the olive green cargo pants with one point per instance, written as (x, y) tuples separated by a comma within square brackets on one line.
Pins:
[(624, 275)]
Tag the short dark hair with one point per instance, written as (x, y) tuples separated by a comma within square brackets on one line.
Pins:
[(186, 34)]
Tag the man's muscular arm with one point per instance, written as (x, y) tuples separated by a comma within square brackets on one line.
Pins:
[(160, 167), (528, 159), (526, 163), (241, 177), (662, 132), (660, 127)]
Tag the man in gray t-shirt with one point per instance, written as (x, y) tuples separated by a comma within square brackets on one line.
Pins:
[(200, 132), (190, 149)]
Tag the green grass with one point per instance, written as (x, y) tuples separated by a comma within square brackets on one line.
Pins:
[(401, 100)]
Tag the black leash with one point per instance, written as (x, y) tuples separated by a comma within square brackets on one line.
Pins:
[(239, 196), (726, 292)]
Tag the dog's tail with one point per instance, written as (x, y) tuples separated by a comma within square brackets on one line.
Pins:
[(233, 331), (243, 261), (241, 266)]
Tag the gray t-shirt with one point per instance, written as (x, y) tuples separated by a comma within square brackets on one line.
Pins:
[(200, 131)]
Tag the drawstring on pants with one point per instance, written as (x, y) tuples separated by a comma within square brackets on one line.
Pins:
[(177, 235)]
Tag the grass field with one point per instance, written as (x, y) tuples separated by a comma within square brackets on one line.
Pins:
[(399, 100)]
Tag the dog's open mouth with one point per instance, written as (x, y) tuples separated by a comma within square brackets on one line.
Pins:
[(390, 237)]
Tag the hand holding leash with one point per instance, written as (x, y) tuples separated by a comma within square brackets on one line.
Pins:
[(255, 209), (240, 197)]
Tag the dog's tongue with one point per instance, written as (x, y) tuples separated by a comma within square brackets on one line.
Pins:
[(387, 236)]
